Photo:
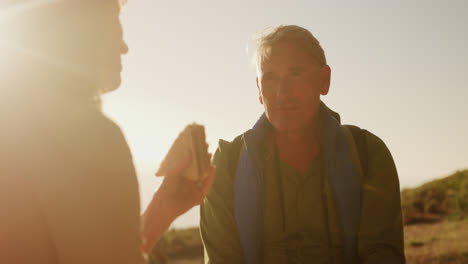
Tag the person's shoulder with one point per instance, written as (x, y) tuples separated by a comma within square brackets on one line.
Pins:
[(111, 129), (88, 135), (377, 152), (227, 149), (374, 143), (225, 146), (96, 127), (99, 123), (108, 135), (370, 139), (225, 158)]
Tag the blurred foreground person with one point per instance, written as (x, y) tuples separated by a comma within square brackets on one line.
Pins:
[(68, 189), (299, 187)]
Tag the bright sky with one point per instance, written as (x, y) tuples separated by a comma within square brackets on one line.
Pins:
[(399, 69)]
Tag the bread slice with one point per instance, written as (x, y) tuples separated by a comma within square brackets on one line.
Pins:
[(192, 139)]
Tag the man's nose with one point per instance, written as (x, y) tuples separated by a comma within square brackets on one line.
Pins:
[(284, 87)]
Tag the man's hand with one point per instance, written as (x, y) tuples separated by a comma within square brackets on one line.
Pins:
[(180, 194), (175, 196)]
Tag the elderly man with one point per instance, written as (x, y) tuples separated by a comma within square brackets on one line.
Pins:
[(68, 188), (299, 187)]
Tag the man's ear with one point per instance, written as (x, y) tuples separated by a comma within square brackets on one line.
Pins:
[(325, 75), (259, 91)]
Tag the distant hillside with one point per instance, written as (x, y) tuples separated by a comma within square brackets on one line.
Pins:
[(178, 244), (440, 199), (430, 202)]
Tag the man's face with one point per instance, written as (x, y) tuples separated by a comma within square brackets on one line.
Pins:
[(77, 41), (290, 83), (93, 43), (108, 49)]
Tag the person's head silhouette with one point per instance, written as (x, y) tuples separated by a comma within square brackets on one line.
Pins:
[(68, 48)]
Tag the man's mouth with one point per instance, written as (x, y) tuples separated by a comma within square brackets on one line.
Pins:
[(287, 108)]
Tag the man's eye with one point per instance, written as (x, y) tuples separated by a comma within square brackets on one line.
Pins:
[(268, 77), (295, 73)]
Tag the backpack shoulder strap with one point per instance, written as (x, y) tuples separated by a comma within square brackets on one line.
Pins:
[(358, 145), (248, 200)]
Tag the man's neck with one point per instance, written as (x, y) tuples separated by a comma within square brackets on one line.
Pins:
[(299, 147)]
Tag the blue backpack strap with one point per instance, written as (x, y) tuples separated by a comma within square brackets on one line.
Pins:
[(344, 182), (248, 193)]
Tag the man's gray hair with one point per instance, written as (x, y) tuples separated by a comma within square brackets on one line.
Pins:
[(295, 34)]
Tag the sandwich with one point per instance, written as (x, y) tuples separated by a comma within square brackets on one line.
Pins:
[(193, 140)]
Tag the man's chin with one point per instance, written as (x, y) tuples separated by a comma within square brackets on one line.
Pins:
[(285, 125), (289, 125), (109, 86)]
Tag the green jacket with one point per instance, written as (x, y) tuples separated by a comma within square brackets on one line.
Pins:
[(380, 238)]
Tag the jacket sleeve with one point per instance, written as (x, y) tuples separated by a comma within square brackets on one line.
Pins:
[(381, 230), (217, 223)]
